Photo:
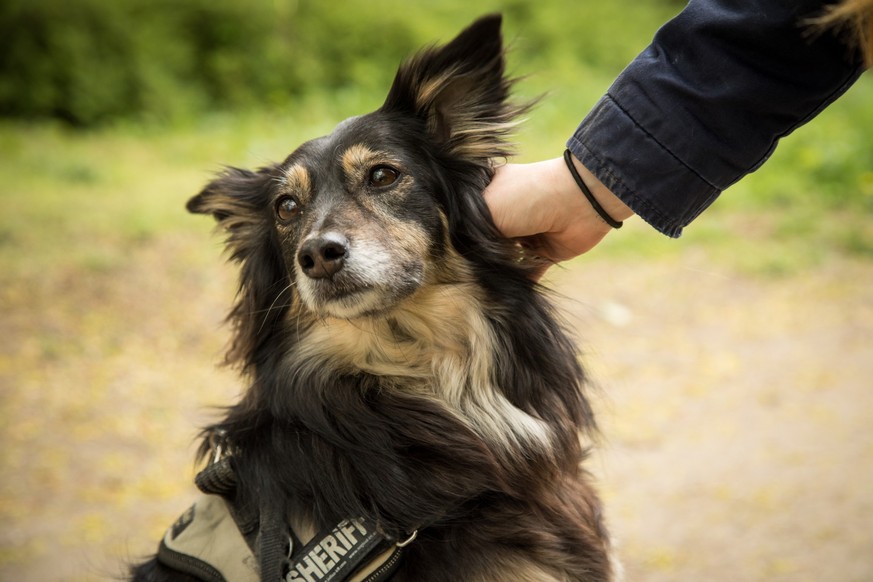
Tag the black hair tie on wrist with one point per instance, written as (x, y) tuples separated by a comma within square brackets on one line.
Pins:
[(585, 190)]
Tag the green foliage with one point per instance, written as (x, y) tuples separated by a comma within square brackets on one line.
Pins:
[(830, 158), (89, 61), (92, 61), (817, 186), (169, 90)]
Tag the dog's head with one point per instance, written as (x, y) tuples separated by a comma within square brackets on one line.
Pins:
[(355, 223)]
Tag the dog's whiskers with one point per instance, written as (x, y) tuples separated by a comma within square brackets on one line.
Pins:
[(274, 306)]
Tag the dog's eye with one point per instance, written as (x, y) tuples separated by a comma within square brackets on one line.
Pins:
[(382, 176), (287, 208)]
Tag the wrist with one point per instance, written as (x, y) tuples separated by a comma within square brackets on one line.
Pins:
[(608, 207)]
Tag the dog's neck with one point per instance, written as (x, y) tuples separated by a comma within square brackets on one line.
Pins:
[(440, 344), (439, 321)]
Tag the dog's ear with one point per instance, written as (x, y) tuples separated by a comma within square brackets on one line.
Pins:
[(461, 92), (239, 200), (235, 198)]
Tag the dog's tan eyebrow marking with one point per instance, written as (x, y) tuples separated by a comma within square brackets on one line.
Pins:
[(357, 157), (297, 180)]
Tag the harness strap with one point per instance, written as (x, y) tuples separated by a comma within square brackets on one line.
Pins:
[(272, 546), (206, 543), (214, 542), (333, 555), (217, 477)]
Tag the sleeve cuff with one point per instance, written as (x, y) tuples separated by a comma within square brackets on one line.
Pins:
[(638, 169)]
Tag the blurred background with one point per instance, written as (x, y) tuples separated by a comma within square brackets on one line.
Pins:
[(733, 368)]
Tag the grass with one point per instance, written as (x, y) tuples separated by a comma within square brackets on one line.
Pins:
[(82, 199)]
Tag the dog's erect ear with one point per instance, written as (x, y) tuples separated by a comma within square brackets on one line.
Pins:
[(461, 92)]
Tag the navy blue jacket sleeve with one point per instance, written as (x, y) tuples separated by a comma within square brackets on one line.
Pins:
[(706, 103)]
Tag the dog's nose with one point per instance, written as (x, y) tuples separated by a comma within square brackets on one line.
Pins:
[(322, 256)]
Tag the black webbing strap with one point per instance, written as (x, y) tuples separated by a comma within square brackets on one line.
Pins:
[(217, 478), (334, 554), (273, 543)]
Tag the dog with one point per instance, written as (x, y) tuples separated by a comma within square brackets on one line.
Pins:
[(410, 385)]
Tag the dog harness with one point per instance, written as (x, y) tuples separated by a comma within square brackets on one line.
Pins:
[(214, 542)]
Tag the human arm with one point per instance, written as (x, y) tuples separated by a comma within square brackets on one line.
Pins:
[(707, 102), (704, 105)]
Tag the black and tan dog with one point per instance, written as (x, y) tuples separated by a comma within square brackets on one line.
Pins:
[(410, 386)]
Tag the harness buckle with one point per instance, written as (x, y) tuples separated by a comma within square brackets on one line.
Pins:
[(218, 445), (218, 476), (408, 540)]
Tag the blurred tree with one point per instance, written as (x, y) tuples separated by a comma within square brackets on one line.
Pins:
[(89, 61)]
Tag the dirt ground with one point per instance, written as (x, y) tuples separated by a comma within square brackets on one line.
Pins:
[(735, 411)]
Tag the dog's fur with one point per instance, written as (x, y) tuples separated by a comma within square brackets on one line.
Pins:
[(403, 365)]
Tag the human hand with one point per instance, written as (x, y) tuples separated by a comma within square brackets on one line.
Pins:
[(540, 205)]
